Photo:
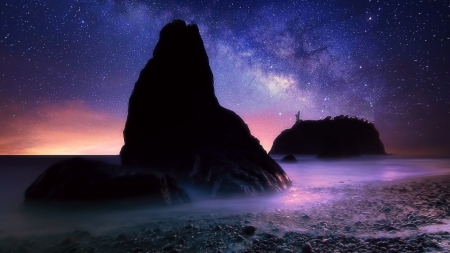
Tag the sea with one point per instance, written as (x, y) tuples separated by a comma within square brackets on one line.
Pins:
[(18, 172)]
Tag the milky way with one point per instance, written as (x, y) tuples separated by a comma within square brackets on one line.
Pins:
[(68, 67)]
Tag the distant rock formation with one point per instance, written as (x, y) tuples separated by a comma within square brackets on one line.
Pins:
[(289, 159), (332, 137), (176, 125), (79, 179)]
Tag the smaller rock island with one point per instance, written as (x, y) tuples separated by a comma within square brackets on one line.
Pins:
[(341, 136)]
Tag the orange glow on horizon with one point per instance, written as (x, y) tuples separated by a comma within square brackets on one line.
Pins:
[(75, 129), (68, 129)]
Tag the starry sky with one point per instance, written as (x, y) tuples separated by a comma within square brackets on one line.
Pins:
[(67, 68)]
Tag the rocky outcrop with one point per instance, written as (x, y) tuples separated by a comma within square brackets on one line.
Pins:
[(80, 179), (289, 159), (176, 125), (332, 137)]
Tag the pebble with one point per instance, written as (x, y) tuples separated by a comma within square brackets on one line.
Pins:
[(68, 241), (411, 226), (390, 228), (307, 248), (249, 229), (168, 248), (170, 237), (121, 237), (83, 237), (239, 238), (91, 250)]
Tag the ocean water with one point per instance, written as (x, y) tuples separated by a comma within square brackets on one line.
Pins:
[(18, 172), (309, 171)]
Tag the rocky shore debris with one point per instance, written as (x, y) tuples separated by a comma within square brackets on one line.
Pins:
[(352, 222), (201, 240)]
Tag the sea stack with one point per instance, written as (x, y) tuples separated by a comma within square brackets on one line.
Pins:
[(341, 136), (176, 125)]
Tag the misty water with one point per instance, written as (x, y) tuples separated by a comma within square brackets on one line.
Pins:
[(18, 172)]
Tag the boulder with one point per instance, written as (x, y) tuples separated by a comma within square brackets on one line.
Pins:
[(79, 179), (289, 159), (341, 136), (176, 125)]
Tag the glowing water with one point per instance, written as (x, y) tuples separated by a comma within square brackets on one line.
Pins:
[(17, 173)]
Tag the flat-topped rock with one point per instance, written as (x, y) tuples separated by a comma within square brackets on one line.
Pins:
[(340, 136)]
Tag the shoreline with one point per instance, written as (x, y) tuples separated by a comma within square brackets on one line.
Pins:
[(373, 216)]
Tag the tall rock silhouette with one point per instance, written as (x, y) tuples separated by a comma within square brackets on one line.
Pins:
[(176, 125)]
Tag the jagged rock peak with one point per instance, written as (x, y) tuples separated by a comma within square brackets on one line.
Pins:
[(176, 125), (178, 39)]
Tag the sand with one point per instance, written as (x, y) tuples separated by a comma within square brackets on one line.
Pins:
[(408, 215)]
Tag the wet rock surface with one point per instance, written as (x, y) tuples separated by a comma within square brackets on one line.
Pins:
[(176, 125), (354, 221), (80, 179)]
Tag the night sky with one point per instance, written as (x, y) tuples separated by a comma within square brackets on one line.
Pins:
[(67, 68)]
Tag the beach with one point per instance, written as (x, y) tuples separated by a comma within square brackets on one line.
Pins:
[(403, 215)]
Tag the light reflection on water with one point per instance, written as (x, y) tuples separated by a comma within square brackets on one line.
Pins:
[(312, 172), (297, 197), (309, 173)]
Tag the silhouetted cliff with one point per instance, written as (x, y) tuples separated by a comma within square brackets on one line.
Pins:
[(176, 125), (332, 137)]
